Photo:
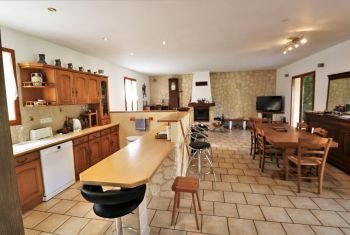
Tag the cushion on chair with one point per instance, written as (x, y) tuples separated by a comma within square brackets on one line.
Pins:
[(199, 145)]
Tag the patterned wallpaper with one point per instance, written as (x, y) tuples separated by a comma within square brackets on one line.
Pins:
[(339, 93), (234, 93)]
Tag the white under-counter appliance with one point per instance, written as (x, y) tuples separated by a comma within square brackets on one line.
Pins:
[(57, 163)]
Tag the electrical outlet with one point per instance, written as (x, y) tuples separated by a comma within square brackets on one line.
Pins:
[(45, 120)]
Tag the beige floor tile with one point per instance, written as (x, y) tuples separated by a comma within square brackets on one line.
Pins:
[(250, 212), (91, 215), (269, 228), (77, 185), (187, 221), (72, 226), (279, 201), (225, 165), (346, 231), (31, 232), (239, 187), (275, 214), (344, 203), (265, 180), (263, 189), (256, 199), (321, 230), (45, 206), (247, 179), (206, 185), (229, 178), (225, 209), (207, 208), (214, 225), (154, 231), (51, 223), (223, 186), (68, 194), (34, 218), (164, 231), (185, 205), (62, 207), (79, 198), (240, 166), (45, 233), (297, 229), (96, 227), (80, 209), (150, 214), (345, 216), (303, 203), (236, 172), (330, 218), (161, 219), (252, 172), (328, 204), (111, 230), (282, 190), (159, 203), (216, 196), (241, 226), (302, 216), (234, 197)]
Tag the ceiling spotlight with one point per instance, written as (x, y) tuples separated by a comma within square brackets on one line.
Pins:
[(296, 45), (290, 48), (303, 40), (52, 9), (284, 52), (294, 42), (132, 53), (104, 39), (164, 42)]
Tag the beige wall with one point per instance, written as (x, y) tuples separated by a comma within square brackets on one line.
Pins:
[(234, 93)]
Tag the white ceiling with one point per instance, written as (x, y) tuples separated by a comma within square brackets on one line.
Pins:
[(211, 35)]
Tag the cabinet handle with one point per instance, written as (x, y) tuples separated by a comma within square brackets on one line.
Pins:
[(72, 91), (22, 161)]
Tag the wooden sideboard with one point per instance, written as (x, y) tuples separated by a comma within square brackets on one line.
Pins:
[(338, 129)]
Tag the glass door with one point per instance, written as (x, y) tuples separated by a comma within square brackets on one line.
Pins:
[(303, 93)]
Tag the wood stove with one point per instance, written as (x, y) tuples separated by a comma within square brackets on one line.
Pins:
[(201, 114)]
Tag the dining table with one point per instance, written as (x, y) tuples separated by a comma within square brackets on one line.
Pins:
[(285, 137)]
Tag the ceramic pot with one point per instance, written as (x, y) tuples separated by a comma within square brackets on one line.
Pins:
[(36, 79)]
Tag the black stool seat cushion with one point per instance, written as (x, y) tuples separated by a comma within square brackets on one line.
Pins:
[(199, 145), (113, 203)]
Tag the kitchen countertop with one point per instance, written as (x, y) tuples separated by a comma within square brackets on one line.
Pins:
[(30, 146), (132, 165)]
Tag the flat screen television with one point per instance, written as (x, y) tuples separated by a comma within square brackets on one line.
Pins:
[(269, 103)]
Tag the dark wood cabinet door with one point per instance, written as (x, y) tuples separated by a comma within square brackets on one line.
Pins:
[(65, 89), (81, 88), (94, 90), (105, 146), (114, 136), (81, 158), (95, 151), (30, 185)]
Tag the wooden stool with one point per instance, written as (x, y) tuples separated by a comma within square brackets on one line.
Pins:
[(188, 184)]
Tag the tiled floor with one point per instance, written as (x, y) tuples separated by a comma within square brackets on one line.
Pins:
[(245, 201)]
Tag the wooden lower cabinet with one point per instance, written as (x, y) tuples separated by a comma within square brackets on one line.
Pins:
[(81, 158), (30, 184), (105, 145), (95, 151), (114, 140)]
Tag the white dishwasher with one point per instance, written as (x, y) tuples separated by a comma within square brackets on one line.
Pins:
[(57, 163)]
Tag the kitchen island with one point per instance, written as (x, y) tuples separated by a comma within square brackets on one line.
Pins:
[(151, 161)]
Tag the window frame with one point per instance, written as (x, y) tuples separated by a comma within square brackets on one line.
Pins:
[(18, 120), (132, 105)]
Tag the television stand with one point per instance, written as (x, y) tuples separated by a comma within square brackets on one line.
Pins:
[(274, 116)]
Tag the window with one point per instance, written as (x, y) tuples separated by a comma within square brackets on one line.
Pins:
[(130, 89), (9, 61), (303, 87)]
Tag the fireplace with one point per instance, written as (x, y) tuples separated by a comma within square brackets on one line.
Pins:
[(201, 114)]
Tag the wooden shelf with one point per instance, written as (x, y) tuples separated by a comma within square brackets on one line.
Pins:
[(30, 85), (30, 103)]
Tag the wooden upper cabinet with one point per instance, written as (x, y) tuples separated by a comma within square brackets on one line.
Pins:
[(94, 90), (65, 89), (81, 88)]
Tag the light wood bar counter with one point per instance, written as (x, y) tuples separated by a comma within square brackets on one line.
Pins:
[(174, 117), (133, 165)]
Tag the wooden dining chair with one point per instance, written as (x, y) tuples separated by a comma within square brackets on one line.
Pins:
[(266, 150), (302, 126), (253, 143), (320, 132), (309, 154)]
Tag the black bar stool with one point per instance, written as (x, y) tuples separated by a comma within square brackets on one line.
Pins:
[(114, 203)]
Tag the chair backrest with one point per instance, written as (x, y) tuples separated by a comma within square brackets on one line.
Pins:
[(302, 126), (260, 139), (95, 194), (307, 148), (320, 132)]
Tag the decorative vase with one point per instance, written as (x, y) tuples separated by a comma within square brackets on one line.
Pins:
[(81, 69), (70, 65), (42, 59), (36, 79), (58, 62)]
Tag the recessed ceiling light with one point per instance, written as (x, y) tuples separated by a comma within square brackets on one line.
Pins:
[(284, 52), (296, 45), (303, 40), (164, 42), (52, 9), (104, 39), (132, 53), (290, 48)]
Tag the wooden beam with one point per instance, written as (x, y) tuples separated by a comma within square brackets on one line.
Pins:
[(10, 213)]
